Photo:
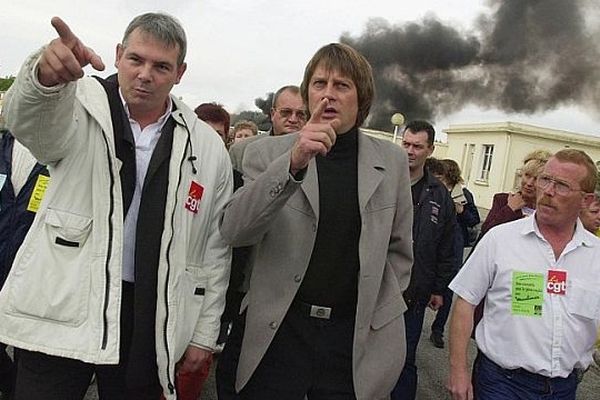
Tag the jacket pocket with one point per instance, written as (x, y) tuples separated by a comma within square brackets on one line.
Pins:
[(189, 306), (52, 276), (386, 313), (68, 227)]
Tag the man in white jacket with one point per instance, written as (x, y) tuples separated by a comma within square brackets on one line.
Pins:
[(124, 272)]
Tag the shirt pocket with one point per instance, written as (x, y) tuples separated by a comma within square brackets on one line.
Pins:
[(584, 301)]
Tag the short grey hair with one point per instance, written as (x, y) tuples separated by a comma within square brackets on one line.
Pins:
[(163, 27)]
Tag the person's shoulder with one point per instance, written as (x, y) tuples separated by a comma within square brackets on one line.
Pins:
[(271, 144), (384, 146), (437, 186), (239, 147), (500, 197), (201, 133), (509, 229), (91, 88), (392, 156)]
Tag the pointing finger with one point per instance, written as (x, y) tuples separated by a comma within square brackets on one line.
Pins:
[(94, 59), (317, 113), (65, 33)]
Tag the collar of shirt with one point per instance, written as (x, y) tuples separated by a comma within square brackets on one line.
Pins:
[(154, 127), (580, 236)]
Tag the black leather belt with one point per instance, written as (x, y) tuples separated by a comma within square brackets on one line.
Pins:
[(323, 312)]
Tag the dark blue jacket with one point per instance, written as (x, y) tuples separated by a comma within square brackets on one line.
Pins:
[(434, 231), (15, 219), (469, 217)]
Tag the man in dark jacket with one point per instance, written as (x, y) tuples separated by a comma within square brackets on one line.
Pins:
[(433, 237), (22, 185)]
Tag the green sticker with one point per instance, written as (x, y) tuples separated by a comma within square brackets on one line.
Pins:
[(527, 293)]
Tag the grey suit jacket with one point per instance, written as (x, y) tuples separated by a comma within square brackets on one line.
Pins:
[(236, 152), (279, 216)]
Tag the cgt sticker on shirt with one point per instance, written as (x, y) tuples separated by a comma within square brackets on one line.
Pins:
[(557, 282), (527, 295), (38, 193), (194, 196)]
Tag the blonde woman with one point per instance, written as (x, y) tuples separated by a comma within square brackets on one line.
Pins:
[(508, 207)]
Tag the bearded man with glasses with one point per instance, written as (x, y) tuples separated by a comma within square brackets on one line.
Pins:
[(540, 277)]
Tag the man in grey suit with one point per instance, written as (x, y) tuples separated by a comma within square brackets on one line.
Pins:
[(329, 213)]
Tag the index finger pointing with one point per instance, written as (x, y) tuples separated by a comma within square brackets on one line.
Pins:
[(64, 32), (316, 115)]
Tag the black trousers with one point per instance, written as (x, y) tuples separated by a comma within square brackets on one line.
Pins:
[(308, 357), (7, 371), (42, 376)]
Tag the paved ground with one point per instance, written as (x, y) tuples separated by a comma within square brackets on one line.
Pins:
[(433, 367)]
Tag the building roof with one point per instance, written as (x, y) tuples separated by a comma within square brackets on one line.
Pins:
[(518, 128)]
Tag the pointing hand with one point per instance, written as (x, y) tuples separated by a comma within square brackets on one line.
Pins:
[(62, 61), (315, 137)]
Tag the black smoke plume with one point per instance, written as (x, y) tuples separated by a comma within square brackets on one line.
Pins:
[(265, 104), (526, 56)]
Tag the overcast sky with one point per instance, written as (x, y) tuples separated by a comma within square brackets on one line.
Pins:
[(240, 50)]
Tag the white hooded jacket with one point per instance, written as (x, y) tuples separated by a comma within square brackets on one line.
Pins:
[(62, 296)]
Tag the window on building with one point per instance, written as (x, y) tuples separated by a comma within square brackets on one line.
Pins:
[(486, 162), (467, 161)]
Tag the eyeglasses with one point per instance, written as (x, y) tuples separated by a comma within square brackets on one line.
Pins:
[(560, 187), (287, 112)]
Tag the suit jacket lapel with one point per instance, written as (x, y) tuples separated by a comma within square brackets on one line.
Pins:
[(370, 170)]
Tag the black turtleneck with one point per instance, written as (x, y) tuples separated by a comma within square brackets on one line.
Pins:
[(332, 275)]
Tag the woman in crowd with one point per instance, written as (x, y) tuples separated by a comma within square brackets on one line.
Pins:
[(508, 207), (467, 216), (244, 129)]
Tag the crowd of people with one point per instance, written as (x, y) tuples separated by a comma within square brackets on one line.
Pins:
[(139, 238)]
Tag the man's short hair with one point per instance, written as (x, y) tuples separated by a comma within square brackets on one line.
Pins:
[(578, 157), (291, 88), (349, 62), (533, 163), (245, 124), (163, 27), (418, 125), (213, 112)]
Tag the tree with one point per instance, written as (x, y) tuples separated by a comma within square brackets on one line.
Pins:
[(5, 83)]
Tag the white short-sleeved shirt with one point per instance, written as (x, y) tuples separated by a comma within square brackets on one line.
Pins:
[(541, 314)]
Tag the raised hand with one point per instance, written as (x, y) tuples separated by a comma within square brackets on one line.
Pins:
[(64, 58), (515, 201), (315, 137)]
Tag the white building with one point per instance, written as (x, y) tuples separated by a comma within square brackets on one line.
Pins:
[(490, 154)]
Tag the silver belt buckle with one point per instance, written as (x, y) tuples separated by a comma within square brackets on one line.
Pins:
[(320, 312)]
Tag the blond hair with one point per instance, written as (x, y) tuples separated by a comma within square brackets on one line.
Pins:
[(534, 162), (245, 124)]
